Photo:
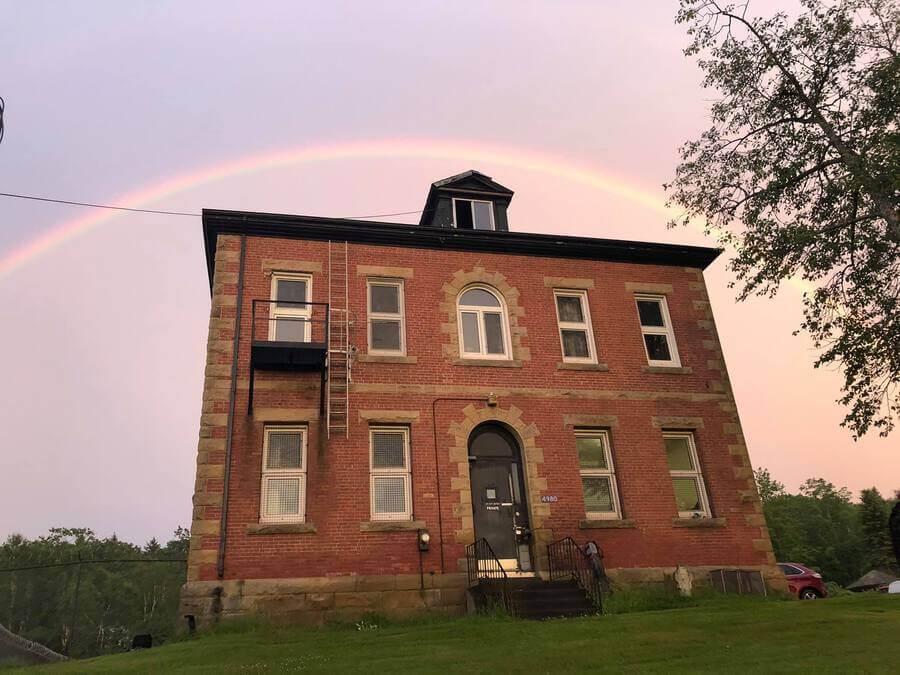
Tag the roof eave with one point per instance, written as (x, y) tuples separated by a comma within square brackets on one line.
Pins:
[(378, 233)]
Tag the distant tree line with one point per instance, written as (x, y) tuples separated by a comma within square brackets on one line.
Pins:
[(60, 591), (823, 528)]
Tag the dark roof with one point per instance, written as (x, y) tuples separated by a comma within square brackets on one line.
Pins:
[(217, 222), (463, 184), (459, 178)]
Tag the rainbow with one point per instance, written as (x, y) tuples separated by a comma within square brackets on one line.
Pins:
[(413, 148)]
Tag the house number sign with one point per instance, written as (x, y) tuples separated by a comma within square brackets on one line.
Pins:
[(549, 499)]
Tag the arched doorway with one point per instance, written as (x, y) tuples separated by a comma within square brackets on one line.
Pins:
[(499, 503)]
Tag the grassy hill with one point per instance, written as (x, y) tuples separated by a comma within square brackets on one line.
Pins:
[(846, 634)]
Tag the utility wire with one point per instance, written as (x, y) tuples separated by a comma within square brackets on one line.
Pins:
[(95, 206), (165, 213), (93, 562)]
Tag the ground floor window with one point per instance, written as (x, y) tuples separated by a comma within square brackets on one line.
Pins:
[(687, 478), (283, 494), (598, 477), (390, 484)]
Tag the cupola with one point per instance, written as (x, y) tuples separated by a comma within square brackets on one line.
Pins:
[(467, 201)]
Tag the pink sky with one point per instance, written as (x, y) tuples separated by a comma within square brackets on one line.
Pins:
[(105, 334)]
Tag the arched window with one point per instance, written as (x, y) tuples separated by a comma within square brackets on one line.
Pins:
[(483, 330)]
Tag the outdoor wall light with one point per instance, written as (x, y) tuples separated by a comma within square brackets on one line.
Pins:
[(424, 539)]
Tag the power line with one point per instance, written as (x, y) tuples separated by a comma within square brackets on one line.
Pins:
[(168, 213), (95, 206), (93, 562)]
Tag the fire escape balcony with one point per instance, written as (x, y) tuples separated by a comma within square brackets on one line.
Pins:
[(289, 336)]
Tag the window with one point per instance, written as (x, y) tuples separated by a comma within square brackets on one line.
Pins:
[(656, 326), (473, 215), (482, 324), (390, 483), (598, 477), (386, 329), (790, 570), (289, 313), (575, 332), (283, 497), (690, 492)]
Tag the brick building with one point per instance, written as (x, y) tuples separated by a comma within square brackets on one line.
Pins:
[(370, 386)]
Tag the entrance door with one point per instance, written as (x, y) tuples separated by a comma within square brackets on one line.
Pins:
[(498, 497)]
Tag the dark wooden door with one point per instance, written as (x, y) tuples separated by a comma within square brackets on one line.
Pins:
[(493, 505)]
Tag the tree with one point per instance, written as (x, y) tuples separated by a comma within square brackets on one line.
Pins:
[(819, 527), (768, 487), (873, 515), (894, 524), (800, 173)]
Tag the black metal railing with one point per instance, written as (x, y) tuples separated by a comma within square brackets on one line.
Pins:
[(583, 564), (290, 321), (484, 570)]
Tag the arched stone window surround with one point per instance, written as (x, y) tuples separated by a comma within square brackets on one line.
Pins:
[(509, 296)]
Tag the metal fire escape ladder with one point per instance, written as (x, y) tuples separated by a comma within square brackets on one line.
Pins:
[(337, 403)]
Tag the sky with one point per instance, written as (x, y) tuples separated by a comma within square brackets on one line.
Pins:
[(334, 109)]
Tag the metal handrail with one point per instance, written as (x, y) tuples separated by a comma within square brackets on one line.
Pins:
[(484, 569), (310, 322), (568, 560)]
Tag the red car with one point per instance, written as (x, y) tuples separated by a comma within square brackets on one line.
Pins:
[(804, 582)]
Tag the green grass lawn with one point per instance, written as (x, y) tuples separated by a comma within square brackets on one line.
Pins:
[(846, 634)]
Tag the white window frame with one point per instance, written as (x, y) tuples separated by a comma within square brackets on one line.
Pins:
[(586, 326), (610, 473), (665, 330), (696, 474), (472, 208), (296, 313), (268, 474), (405, 472), (401, 316), (481, 311)]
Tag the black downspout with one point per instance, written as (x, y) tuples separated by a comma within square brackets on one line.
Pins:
[(229, 432), (437, 474)]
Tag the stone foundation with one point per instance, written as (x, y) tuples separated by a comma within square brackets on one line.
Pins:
[(640, 576), (317, 600)]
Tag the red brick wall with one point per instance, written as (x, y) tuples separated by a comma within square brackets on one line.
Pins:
[(338, 473)]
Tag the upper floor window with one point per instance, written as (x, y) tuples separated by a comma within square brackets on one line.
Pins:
[(386, 321), (687, 479), (469, 214), (390, 478), (289, 313), (283, 493), (656, 326), (575, 332), (598, 476), (482, 324)]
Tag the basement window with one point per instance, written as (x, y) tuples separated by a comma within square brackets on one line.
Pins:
[(283, 493), (469, 214)]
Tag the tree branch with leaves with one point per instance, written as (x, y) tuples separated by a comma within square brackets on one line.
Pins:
[(800, 175)]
